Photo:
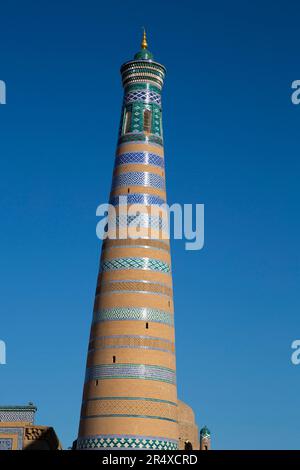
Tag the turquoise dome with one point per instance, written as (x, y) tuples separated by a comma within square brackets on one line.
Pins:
[(205, 432), (143, 54)]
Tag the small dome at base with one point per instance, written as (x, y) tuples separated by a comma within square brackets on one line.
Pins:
[(205, 432)]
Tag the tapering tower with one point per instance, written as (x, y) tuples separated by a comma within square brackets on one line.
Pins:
[(130, 397)]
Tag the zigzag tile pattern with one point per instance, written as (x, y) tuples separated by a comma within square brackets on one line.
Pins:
[(133, 314), (138, 178), (143, 220), (126, 442), (135, 263), (131, 371), (145, 199), (140, 158)]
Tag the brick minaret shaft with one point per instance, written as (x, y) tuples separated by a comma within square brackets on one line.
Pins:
[(130, 396)]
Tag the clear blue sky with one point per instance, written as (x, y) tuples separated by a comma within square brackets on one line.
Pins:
[(231, 142)]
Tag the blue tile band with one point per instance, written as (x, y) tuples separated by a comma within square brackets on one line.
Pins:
[(143, 221), (136, 178), (131, 371), (143, 158), (145, 199)]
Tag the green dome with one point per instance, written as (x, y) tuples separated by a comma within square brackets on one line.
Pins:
[(205, 432), (143, 54)]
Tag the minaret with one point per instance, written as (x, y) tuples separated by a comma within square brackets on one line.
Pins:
[(205, 439), (130, 396)]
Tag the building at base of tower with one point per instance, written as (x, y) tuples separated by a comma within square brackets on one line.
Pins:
[(188, 429), (205, 439), (18, 431)]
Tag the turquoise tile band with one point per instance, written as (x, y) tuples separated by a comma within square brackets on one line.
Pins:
[(131, 371), (126, 442), (135, 263), (133, 313)]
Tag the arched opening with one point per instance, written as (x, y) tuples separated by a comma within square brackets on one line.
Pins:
[(127, 122), (114, 359), (147, 120), (188, 445)]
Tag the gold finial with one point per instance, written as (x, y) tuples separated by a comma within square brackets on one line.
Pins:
[(144, 44)]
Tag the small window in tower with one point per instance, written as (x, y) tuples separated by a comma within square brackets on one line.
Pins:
[(96, 382), (147, 120), (128, 190), (114, 359), (147, 326), (127, 122), (169, 303)]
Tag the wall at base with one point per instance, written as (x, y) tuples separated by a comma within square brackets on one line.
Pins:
[(24, 436), (188, 429)]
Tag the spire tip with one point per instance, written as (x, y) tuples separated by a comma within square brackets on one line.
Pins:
[(144, 44)]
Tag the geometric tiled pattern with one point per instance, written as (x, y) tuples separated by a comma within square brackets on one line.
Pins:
[(135, 263), (133, 286), (130, 371), (126, 442), (146, 199), (145, 158), (135, 314), (137, 408), (17, 431), (16, 415), (134, 341), (6, 444), (156, 120), (142, 86), (138, 178), (142, 220), (143, 95), (137, 119)]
